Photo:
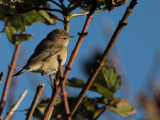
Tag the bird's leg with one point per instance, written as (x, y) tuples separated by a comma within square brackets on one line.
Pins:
[(46, 79)]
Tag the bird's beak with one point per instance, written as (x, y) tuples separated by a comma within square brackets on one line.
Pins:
[(71, 36)]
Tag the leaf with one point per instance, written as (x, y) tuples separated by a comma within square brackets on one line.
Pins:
[(18, 38), (98, 112), (122, 107), (76, 82), (86, 108), (50, 18), (108, 78)]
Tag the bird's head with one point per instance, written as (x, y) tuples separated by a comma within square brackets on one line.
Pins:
[(59, 36)]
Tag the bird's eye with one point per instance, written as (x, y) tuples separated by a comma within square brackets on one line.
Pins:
[(64, 38)]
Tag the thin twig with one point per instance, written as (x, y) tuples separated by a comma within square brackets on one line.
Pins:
[(1, 76), (13, 109), (69, 5), (121, 24), (35, 100), (60, 87), (74, 7), (8, 80), (51, 105), (56, 3), (63, 6), (54, 97), (64, 93)]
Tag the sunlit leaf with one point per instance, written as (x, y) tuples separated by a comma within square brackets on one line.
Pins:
[(50, 18), (122, 107)]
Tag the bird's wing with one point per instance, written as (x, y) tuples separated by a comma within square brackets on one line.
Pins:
[(44, 50)]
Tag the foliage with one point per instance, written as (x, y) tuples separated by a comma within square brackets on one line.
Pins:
[(107, 83), (18, 14)]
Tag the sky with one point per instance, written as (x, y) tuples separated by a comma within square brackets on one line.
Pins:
[(137, 46)]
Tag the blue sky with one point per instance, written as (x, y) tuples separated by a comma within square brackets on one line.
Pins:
[(137, 45)]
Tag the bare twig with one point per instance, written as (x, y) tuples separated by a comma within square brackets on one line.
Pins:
[(50, 107), (1, 76), (60, 87), (121, 24), (13, 109), (63, 6), (64, 93), (54, 97), (74, 7), (35, 100), (8, 80), (56, 3)]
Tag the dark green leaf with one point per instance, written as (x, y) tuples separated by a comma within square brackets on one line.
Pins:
[(76, 82), (18, 38), (86, 108), (122, 107), (108, 78), (98, 112)]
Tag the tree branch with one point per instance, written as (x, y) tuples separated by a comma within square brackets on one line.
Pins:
[(89, 82), (50, 107), (64, 93), (55, 3), (13, 109), (1, 76), (74, 7), (9, 76), (35, 100), (55, 94), (63, 6)]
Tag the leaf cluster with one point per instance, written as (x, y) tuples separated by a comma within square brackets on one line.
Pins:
[(19, 14), (106, 84)]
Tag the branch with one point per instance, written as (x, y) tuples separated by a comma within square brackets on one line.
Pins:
[(54, 97), (63, 6), (55, 3), (64, 93), (1, 76), (13, 109), (35, 100), (8, 80), (50, 107), (74, 7), (61, 86), (121, 24)]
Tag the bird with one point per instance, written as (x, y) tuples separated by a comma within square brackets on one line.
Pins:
[(44, 59)]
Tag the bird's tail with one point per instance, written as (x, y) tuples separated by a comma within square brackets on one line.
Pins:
[(20, 72)]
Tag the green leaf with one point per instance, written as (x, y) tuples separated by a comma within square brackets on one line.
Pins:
[(108, 78), (50, 18), (86, 108), (122, 107), (76, 82), (18, 38), (98, 112)]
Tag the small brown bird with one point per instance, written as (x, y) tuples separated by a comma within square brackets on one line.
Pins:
[(44, 59)]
